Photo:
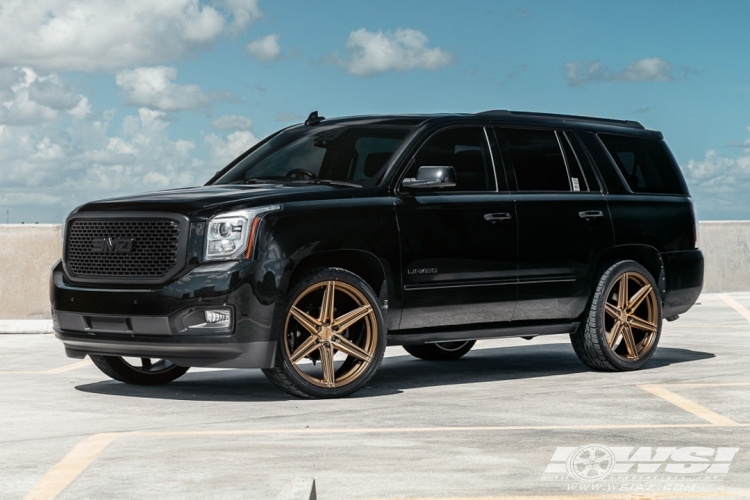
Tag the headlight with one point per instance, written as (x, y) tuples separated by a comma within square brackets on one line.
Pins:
[(230, 236)]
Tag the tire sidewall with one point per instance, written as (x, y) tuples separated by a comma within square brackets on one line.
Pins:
[(342, 275), (117, 368)]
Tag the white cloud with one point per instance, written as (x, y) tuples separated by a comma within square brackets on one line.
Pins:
[(47, 169), (28, 99), (651, 69), (720, 183), (89, 35), (152, 87), (371, 53), (243, 11), (265, 49), (232, 122), (224, 150)]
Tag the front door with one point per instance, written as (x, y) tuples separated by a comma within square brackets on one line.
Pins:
[(458, 245)]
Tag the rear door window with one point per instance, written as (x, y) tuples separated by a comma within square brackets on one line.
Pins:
[(539, 162), (646, 165)]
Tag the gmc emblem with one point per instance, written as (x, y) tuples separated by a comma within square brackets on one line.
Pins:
[(112, 245)]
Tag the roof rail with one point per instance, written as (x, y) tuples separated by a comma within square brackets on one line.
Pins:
[(571, 118)]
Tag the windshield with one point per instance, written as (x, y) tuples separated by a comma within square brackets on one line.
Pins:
[(354, 154)]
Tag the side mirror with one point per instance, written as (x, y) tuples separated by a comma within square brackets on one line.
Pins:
[(429, 177)]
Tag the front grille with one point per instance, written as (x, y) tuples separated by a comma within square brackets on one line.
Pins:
[(144, 250)]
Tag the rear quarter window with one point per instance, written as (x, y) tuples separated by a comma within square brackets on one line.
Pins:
[(647, 165)]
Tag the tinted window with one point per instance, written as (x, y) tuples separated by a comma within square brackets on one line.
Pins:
[(577, 179), (537, 159), (646, 164), (464, 149), (353, 154)]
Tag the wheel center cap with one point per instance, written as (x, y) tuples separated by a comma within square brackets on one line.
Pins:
[(326, 333)]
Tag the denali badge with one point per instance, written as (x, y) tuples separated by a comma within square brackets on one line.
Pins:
[(112, 245), (424, 270)]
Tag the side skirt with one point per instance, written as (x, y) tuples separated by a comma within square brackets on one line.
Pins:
[(427, 336)]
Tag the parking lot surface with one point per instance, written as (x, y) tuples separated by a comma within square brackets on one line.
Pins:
[(512, 419)]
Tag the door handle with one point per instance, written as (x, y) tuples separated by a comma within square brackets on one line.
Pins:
[(590, 214), (497, 216)]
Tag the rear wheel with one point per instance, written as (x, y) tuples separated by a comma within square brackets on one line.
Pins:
[(624, 320), (334, 336), (139, 371), (440, 351)]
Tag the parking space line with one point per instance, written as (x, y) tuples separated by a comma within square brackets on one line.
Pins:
[(85, 452), (688, 405), (52, 371), (67, 368), (706, 384), (736, 306), (397, 430), (71, 466)]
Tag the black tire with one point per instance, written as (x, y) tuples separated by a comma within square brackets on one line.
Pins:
[(440, 351), (603, 345), (311, 333), (150, 372)]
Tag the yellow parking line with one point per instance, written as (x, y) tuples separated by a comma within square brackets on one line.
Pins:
[(67, 368), (688, 405), (80, 457), (736, 306), (71, 465), (398, 430), (53, 371), (706, 384)]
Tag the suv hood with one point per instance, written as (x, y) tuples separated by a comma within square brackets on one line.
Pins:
[(211, 199)]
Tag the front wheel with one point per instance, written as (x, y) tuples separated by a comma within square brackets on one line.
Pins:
[(440, 351), (150, 371), (623, 324), (334, 336)]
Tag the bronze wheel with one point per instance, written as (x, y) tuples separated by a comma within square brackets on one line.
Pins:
[(622, 326), (333, 338), (630, 316)]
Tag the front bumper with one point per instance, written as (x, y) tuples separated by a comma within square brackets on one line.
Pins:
[(684, 280), (150, 322)]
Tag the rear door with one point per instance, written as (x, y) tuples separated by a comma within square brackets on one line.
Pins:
[(563, 222), (459, 245)]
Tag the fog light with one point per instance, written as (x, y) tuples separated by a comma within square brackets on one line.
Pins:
[(218, 318), (201, 321)]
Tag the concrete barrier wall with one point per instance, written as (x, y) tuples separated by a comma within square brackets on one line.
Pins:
[(27, 253), (726, 248)]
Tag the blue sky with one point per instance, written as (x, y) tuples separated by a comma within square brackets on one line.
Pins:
[(100, 98)]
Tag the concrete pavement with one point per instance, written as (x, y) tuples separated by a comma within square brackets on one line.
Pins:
[(510, 420)]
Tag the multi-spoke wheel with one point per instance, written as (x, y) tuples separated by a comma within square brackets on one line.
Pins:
[(333, 338), (623, 324), (440, 351), (139, 371)]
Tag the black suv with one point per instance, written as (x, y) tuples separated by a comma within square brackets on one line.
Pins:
[(329, 240)]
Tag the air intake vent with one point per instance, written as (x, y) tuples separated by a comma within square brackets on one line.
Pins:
[(124, 250)]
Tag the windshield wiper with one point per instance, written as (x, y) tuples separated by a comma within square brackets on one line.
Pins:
[(327, 182), (257, 180)]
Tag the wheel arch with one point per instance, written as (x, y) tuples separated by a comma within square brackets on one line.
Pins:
[(645, 255), (360, 262)]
